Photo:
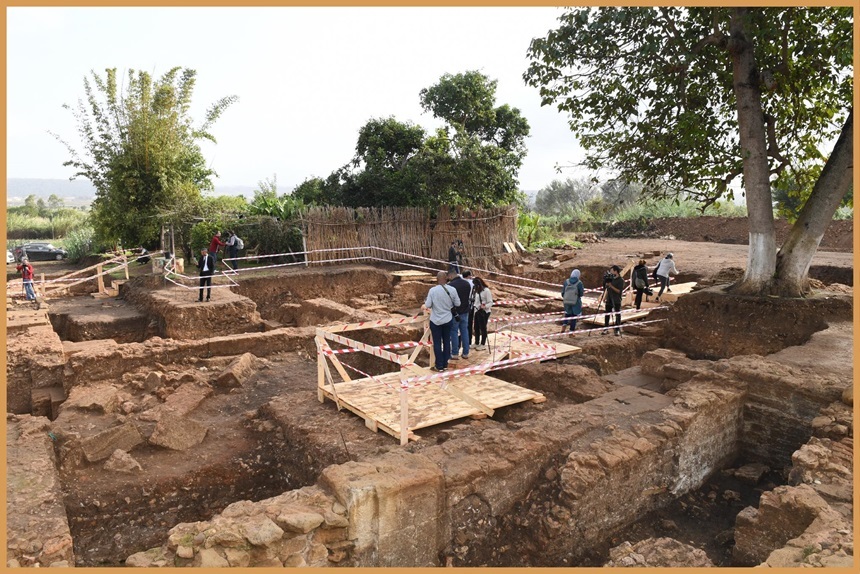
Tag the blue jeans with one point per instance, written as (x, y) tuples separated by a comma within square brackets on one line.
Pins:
[(441, 343), (28, 289), (453, 266), (460, 335)]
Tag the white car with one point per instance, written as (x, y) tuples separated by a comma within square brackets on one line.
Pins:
[(9, 257)]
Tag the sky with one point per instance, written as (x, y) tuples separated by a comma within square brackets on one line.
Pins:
[(307, 79)]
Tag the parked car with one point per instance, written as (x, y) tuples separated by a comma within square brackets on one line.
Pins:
[(9, 257), (40, 252)]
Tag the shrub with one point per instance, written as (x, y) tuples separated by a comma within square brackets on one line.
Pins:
[(80, 243)]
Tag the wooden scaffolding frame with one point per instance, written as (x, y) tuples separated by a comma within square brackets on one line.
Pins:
[(469, 395)]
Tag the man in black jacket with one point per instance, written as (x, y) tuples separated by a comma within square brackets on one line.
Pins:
[(460, 328), (206, 265), (613, 284)]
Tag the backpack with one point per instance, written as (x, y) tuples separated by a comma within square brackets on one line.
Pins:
[(239, 243), (571, 294), (640, 282)]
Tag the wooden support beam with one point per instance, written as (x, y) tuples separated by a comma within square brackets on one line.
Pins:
[(469, 399), (404, 416)]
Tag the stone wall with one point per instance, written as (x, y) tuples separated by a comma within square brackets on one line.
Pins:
[(37, 530), (458, 498)]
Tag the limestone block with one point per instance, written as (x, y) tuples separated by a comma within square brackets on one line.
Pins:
[(102, 445), (121, 461), (181, 402), (302, 522), (236, 372), (177, 433), (237, 558), (209, 558), (653, 361), (751, 473), (101, 398), (261, 531), (848, 395), (659, 553), (783, 513)]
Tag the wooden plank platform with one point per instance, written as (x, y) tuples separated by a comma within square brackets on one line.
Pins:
[(379, 404), (624, 317), (412, 274), (512, 348), (677, 291), (588, 300)]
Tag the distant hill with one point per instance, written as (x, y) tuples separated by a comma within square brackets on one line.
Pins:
[(80, 192)]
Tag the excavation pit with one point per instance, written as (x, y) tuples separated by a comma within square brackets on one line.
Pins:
[(630, 430)]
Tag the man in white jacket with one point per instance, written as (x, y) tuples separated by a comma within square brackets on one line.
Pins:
[(665, 268)]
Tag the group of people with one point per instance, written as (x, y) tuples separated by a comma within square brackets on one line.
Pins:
[(460, 308), (613, 287), (209, 258), (231, 248)]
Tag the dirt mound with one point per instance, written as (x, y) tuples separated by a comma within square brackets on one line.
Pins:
[(712, 324), (731, 230)]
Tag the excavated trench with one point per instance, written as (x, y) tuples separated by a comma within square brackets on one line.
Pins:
[(272, 435)]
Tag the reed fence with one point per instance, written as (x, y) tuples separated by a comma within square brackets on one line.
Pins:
[(410, 230)]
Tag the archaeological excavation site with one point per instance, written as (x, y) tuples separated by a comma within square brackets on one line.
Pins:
[(294, 420)]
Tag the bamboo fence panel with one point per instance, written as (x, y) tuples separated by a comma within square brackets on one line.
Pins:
[(409, 230)]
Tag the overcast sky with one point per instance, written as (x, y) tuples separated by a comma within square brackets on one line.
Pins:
[(307, 78)]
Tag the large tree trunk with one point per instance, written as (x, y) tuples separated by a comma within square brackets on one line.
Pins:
[(796, 253), (761, 259)]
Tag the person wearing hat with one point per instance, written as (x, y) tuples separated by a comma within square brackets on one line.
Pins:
[(665, 268), (613, 288)]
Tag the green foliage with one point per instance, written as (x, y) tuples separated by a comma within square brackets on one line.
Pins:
[(565, 197), (80, 243), (140, 151), (649, 91), (473, 161), (310, 191), (224, 206), (272, 235), (201, 235), (528, 225), (556, 243), (21, 225)]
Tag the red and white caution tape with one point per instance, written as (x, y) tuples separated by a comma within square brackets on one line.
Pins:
[(406, 345), (372, 324)]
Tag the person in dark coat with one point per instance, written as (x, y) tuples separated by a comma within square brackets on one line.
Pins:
[(613, 286), (640, 282), (206, 266), (460, 328)]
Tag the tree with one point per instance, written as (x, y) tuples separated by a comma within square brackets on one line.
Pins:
[(473, 161), (55, 202), (565, 197), (140, 151), (310, 191), (687, 100), (487, 145)]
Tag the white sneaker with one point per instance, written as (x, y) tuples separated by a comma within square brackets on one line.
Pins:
[(454, 358)]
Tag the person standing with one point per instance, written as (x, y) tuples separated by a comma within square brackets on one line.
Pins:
[(613, 285), (453, 257), (231, 249), (571, 295), (467, 275), (206, 265), (640, 282), (460, 328), (665, 268), (26, 271), (440, 301), (483, 303), (215, 244)]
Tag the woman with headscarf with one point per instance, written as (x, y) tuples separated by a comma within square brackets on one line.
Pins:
[(571, 294)]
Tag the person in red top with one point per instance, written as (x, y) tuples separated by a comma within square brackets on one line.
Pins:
[(215, 244), (27, 275)]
